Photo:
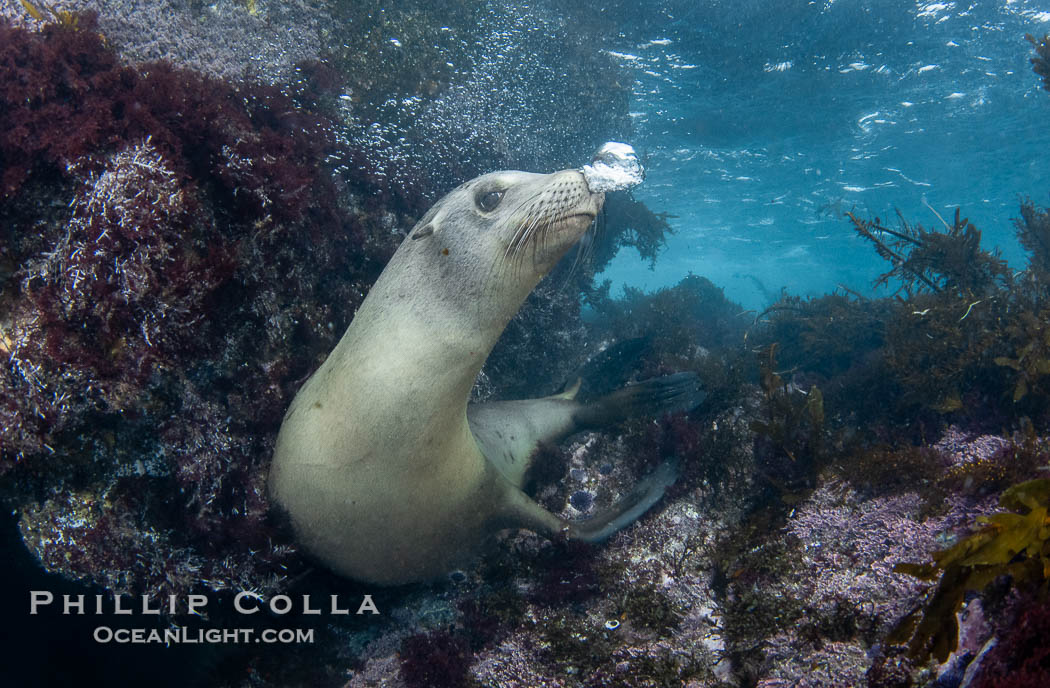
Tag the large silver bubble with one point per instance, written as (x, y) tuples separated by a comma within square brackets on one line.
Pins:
[(615, 167)]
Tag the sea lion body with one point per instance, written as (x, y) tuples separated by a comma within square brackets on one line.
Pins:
[(376, 463)]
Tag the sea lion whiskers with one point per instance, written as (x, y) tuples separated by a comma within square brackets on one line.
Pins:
[(520, 224), (563, 206), (533, 217), (524, 228), (535, 230), (585, 247)]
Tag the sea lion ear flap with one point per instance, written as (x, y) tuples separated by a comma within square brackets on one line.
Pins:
[(424, 231)]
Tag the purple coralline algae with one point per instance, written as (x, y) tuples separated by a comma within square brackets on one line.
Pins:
[(841, 580)]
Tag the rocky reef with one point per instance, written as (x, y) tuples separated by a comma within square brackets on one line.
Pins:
[(187, 226)]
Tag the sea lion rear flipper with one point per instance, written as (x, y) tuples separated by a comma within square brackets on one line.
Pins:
[(523, 512), (629, 508), (653, 397)]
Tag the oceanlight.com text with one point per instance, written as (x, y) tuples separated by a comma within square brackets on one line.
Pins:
[(181, 635)]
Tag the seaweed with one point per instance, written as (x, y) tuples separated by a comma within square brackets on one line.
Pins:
[(1024, 336), (647, 607), (630, 223), (690, 326), (832, 335), (947, 335), (932, 347), (63, 18), (940, 262), (941, 350), (1031, 363), (1033, 233), (1041, 61), (789, 410), (690, 318), (1014, 543), (1009, 465), (884, 469), (792, 426), (837, 342)]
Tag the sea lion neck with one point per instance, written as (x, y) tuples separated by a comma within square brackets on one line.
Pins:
[(412, 328)]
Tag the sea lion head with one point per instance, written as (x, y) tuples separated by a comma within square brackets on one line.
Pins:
[(485, 245), (511, 220)]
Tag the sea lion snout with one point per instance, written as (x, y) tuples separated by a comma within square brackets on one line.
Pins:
[(547, 214)]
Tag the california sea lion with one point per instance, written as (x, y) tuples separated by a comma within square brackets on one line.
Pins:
[(386, 474)]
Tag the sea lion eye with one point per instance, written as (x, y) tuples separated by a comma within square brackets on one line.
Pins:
[(488, 200)]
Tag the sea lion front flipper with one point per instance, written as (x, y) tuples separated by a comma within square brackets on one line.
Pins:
[(653, 397), (524, 512)]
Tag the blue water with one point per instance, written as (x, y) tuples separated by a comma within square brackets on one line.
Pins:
[(764, 121)]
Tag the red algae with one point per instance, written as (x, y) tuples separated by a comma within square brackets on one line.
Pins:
[(175, 252)]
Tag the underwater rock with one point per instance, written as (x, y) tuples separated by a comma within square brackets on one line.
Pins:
[(827, 590), (221, 38), (158, 314), (1019, 657), (813, 599)]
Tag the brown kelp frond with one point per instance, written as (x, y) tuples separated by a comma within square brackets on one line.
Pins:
[(41, 12), (1014, 542), (1030, 335)]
